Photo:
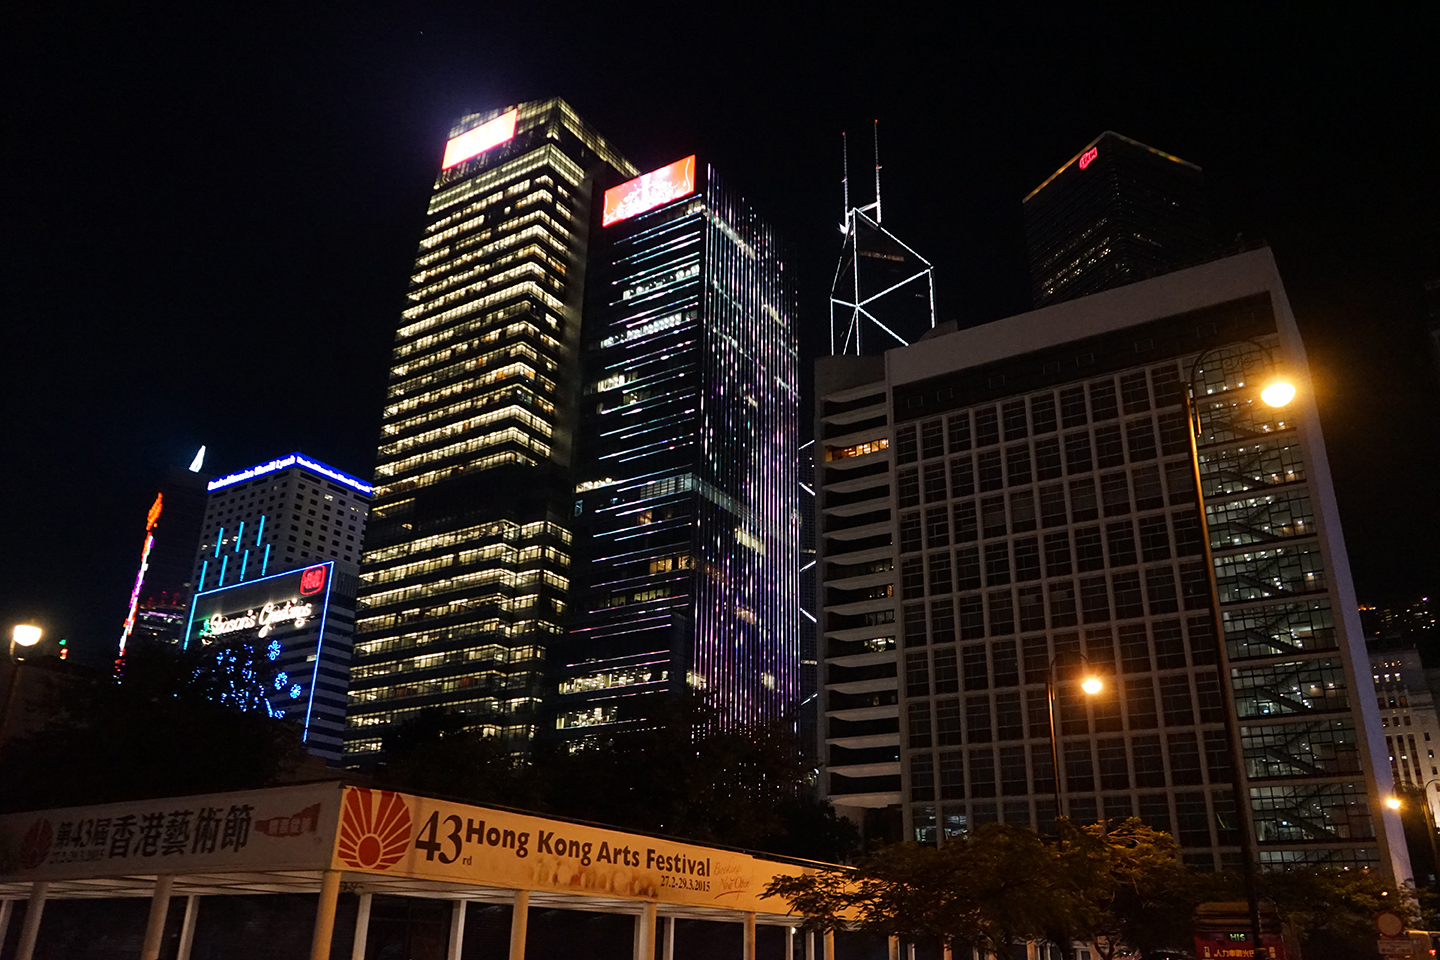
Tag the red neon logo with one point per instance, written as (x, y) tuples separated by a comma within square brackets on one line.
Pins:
[(1088, 156), (312, 580)]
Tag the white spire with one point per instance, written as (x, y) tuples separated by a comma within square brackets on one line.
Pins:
[(199, 460)]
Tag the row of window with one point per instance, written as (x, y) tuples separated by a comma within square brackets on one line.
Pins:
[(1095, 402), (1127, 703)]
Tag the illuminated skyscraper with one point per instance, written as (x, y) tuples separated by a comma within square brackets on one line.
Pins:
[(1117, 212), (468, 563), (687, 495), (275, 581)]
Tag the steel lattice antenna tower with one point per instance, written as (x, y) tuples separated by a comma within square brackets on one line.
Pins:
[(883, 294)]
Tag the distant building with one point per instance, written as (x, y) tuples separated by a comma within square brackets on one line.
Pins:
[(467, 574), (1408, 719), (1117, 212), (997, 503), (275, 582), (686, 501), (287, 513), (160, 596)]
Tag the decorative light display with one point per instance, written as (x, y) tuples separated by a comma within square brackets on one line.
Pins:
[(472, 143), (151, 520)]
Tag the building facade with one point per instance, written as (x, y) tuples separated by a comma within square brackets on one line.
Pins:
[(1117, 212), (1041, 505), (1408, 719), (686, 498), (275, 580), (467, 572)]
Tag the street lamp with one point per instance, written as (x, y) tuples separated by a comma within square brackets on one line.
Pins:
[(1092, 685), (24, 635), (1277, 392)]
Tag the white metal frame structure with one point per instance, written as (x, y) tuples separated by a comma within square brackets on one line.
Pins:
[(853, 307)]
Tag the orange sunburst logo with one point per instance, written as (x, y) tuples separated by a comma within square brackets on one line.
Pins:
[(374, 829)]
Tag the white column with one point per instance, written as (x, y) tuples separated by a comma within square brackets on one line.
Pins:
[(749, 950), (325, 915), (892, 948), (519, 919), (155, 926), (810, 945), (457, 929), (30, 928), (909, 951), (669, 949), (7, 907), (790, 944), (829, 945), (945, 951), (362, 927), (187, 928), (644, 945)]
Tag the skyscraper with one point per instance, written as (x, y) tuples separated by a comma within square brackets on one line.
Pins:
[(686, 498), (468, 566), (275, 581), (1036, 479), (1117, 212)]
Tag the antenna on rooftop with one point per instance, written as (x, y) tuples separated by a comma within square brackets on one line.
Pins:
[(877, 280), (878, 218)]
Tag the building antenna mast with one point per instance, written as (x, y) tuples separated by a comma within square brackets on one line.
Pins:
[(883, 300), (878, 218)]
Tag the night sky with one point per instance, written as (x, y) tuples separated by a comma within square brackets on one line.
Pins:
[(209, 214)]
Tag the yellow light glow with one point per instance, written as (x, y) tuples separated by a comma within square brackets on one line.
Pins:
[(1092, 685), (1279, 393), (1393, 803), (26, 635)]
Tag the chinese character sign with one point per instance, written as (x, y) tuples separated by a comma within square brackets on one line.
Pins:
[(282, 828)]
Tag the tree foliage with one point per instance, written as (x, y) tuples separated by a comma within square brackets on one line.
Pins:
[(685, 775), (159, 732), (1001, 884), (1325, 905)]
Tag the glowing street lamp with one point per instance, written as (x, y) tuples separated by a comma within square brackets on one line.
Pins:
[(1092, 685), (1393, 803), (1278, 392), (24, 635)]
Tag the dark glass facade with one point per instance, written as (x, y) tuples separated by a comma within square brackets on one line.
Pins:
[(466, 574), (1118, 212), (686, 503)]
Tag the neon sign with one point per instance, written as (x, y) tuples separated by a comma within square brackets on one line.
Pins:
[(649, 190), (295, 459), (1088, 157), (472, 143), (271, 616), (312, 580), (151, 519)]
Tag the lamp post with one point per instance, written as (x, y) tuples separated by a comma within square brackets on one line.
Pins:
[(1277, 393), (1092, 685), (24, 635)]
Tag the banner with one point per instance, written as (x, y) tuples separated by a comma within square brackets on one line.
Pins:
[(400, 835), (285, 828)]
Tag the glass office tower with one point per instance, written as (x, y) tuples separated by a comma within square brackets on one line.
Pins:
[(1042, 507), (1117, 212), (687, 496), (467, 566)]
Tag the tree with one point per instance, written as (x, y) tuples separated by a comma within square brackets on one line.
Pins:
[(1131, 888), (158, 733), (1330, 909), (1000, 885)]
